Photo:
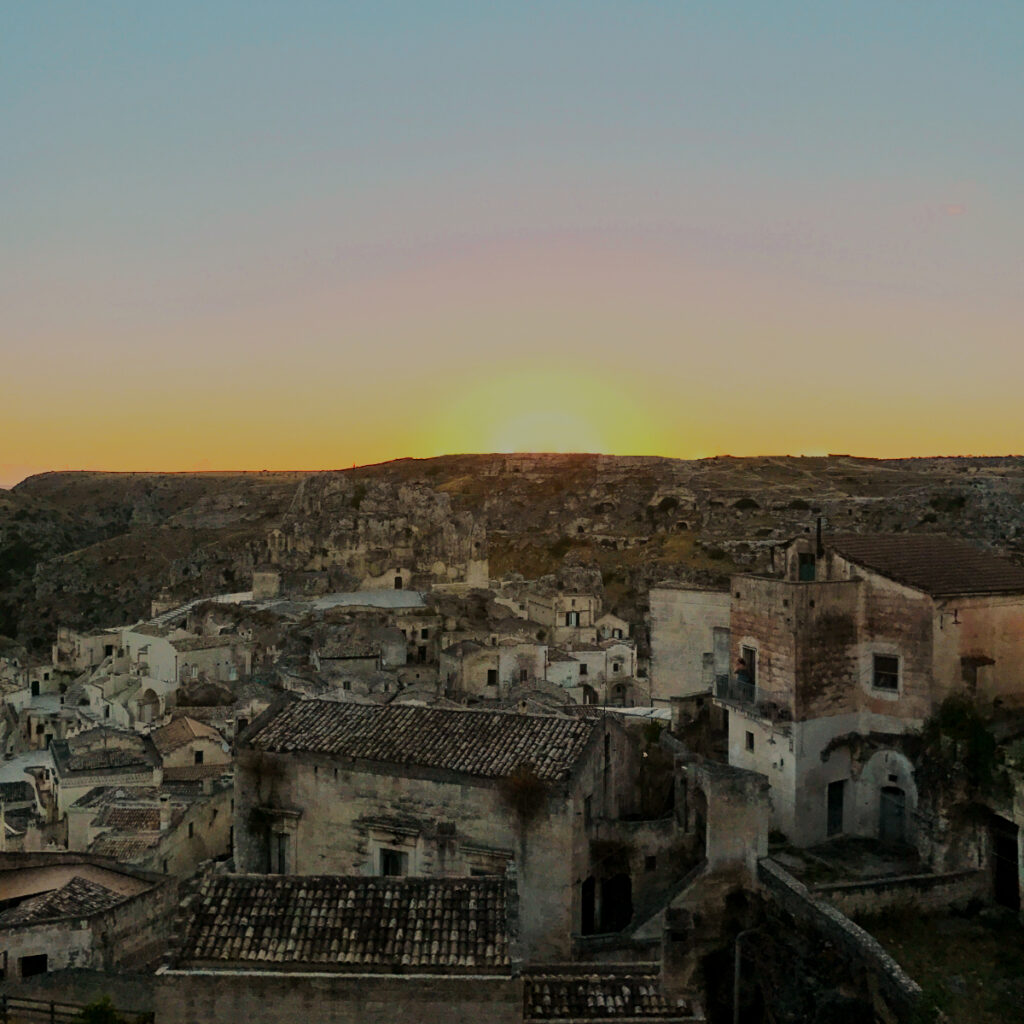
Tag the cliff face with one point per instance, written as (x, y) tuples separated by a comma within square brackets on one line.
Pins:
[(91, 549)]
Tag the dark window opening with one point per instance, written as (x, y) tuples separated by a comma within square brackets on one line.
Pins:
[(524, 674), (650, 863), (749, 655), (197, 757), (34, 687), (583, 668), (32, 965), (886, 674), (191, 829), (750, 741), (492, 677), (398, 583), (393, 862), (807, 570), (836, 803), (588, 811)]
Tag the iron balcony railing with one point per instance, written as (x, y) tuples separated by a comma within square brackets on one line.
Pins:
[(763, 702)]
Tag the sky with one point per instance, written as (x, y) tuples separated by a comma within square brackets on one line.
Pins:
[(310, 235)]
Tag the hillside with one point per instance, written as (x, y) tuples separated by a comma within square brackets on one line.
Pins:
[(95, 548)]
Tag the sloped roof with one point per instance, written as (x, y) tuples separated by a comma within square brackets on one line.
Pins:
[(182, 731), (349, 923), (491, 744), (938, 566), (586, 993), (79, 897)]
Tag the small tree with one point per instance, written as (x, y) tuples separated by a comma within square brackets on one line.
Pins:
[(100, 1011)]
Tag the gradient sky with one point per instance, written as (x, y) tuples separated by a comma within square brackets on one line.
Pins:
[(305, 235)]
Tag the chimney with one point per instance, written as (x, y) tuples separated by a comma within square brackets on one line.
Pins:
[(165, 811)]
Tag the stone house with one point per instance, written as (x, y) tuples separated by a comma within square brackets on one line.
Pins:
[(568, 617), (850, 649), (170, 829), (609, 668), (184, 741), (345, 950), (67, 910), (611, 627), (472, 668), (327, 787), (101, 757)]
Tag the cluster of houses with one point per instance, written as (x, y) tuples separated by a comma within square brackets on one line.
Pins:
[(483, 804)]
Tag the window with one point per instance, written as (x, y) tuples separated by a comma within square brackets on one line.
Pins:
[(588, 811), (750, 741), (886, 673), (650, 863), (34, 686), (191, 829), (32, 965), (617, 634), (394, 862), (836, 796), (616, 666), (572, 618), (523, 675), (749, 655), (806, 569), (280, 853), (346, 685), (583, 668), (398, 583), (492, 677), (424, 634), (197, 757)]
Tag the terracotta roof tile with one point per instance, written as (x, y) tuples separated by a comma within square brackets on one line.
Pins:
[(77, 898), (490, 744), (588, 993), (349, 923), (939, 566)]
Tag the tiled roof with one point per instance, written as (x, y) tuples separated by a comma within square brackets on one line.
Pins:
[(939, 566), (129, 819), (17, 792), (76, 898), (349, 923), (586, 993), (490, 744), (350, 647), (124, 849), (182, 731)]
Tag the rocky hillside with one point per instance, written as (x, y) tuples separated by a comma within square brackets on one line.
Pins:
[(91, 549)]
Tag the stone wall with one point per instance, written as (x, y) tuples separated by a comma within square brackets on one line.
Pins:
[(215, 997), (683, 621), (928, 893), (895, 993)]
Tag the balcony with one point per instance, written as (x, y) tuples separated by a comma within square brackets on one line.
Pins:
[(750, 698)]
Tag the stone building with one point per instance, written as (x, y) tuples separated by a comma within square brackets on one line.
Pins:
[(170, 829), (102, 757), (327, 787), (184, 742), (474, 669), (850, 649), (62, 910), (345, 950), (568, 617)]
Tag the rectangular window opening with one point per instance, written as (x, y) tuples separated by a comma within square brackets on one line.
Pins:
[(886, 672)]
